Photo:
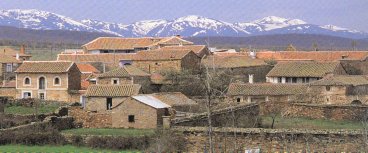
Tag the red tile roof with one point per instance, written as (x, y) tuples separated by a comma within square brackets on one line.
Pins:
[(312, 55), (87, 68)]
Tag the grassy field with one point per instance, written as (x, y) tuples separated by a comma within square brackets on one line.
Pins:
[(289, 123), (22, 110), (53, 149), (115, 132)]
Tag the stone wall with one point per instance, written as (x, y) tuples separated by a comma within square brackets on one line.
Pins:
[(8, 92), (90, 119), (331, 112), (274, 140), (245, 116)]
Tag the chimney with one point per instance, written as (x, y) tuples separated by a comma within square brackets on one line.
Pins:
[(22, 49), (251, 78), (17, 56)]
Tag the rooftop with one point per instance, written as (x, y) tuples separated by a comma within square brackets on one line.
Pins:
[(151, 101), (234, 61), (342, 80), (113, 90), (303, 69), (312, 55), (87, 68), (174, 98), (153, 55), (264, 89), (44, 67), (125, 71)]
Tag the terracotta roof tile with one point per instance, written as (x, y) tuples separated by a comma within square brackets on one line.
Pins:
[(342, 80), (198, 49), (312, 55), (303, 69), (44, 67), (119, 43), (125, 71), (12, 52), (113, 90), (234, 61), (8, 59), (174, 98), (85, 58), (87, 68), (265, 89), (160, 55)]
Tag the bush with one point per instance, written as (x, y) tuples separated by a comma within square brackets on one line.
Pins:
[(77, 140), (118, 143)]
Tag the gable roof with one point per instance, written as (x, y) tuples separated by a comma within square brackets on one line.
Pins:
[(303, 69), (125, 90), (151, 101), (85, 58), (341, 80), (154, 55), (12, 52), (234, 61), (174, 98), (195, 48), (87, 68), (125, 71), (119, 43), (44, 67), (264, 89), (8, 59), (312, 55)]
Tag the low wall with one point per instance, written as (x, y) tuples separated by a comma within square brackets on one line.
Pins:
[(274, 140), (60, 123), (90, 119), (332, 112), (245, 116)]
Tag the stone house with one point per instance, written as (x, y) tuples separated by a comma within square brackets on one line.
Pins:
[(88, 72), (141, 112), (103, 45), (261, 92), (48, 80), (159, 61), (19, 55), (303, 71), (340, 89), (8, 64), (102, 98), (239, 66), (126, 74), (7, 90)]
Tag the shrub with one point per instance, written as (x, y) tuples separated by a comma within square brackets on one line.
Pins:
[(118, 143), (77, 140)]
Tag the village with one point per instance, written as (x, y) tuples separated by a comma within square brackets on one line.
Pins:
[(171, 83)]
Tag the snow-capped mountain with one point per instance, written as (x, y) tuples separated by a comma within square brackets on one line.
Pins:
[(187, 26)]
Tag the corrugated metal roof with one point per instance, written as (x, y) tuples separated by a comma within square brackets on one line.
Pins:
[(151, 101)]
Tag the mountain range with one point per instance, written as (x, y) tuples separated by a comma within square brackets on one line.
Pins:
[(187, 26)]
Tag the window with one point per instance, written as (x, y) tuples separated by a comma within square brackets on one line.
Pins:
[(41, 83), (131, 118), (42, 96), (9, 68), (57, 81), (328, 88), (238, 100), (279, 80), (108, 103), (27, 81), (27, 95), (294, 80), (115, 81)]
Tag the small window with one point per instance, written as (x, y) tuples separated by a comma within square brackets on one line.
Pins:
[(9, 67), (115, 81), (238, 100), (108, 103), (279, 80), (42, 96), (156, 64), (294, 80), (27, 95), (57, 81), (27, 81), (131, 118), (328, 88)]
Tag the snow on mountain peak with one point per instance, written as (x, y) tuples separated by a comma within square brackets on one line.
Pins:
[(274, 22)]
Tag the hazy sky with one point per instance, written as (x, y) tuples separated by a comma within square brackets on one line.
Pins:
[(351, 14)]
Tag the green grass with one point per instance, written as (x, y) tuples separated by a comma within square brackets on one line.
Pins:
[(114, 132), (306, 123), (22, 110), (53, 149)]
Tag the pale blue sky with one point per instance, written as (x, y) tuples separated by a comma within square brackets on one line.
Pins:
[(345, 13)]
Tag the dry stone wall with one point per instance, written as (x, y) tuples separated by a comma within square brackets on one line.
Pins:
[(90, 119)]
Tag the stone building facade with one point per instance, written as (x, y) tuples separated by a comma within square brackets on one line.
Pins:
[(48, 80), (8, 65), (141, 111), (174, 60), (127, 74)]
